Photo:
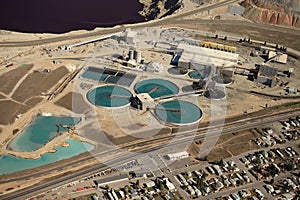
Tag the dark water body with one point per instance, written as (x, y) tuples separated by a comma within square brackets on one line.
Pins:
[(60, 16)]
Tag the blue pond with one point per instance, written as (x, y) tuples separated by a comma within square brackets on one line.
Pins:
[(40, 131), (10, 164)]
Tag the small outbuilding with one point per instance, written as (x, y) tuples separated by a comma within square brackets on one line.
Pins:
[(145, 101)]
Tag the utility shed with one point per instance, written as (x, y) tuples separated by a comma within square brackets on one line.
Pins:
[(280, 58), (145, 101)]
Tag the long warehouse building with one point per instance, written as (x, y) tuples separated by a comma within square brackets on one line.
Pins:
[(196, 55)]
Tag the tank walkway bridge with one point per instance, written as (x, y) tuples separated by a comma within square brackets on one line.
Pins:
[(194, 92)]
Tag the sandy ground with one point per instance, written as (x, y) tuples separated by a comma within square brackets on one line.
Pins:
[(117, 124), (42, 57), (235, 100), (232, 145), (22, 88), (8, 83), (44, 106), (21, 123)]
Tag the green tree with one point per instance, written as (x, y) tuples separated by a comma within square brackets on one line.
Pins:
[(290, 166), (137, 183), (161, 186), (126, 190), (200, 182)]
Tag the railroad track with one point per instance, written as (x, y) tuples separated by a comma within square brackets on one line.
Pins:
[(60, 87), (145, 147), (198, 133)]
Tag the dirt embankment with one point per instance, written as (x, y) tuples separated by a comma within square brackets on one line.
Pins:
[(155, 9), (284, 13)]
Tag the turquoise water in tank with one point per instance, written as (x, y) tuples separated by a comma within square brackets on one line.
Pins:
[(178, 112), (156, 87), (109, 96), (94, 76), (196, 75)]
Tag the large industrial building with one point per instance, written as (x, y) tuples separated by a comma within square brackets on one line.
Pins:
[(130, 37), (267, 75), (193, 56), (177, 156)]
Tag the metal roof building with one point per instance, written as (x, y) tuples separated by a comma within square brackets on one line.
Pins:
[(265, 70), (196, 55), (280, 58), (130, 37), (178, 156), (110, 180), (267, 75)]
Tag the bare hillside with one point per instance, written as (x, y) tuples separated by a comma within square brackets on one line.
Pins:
[(155, 9), (280, 12)]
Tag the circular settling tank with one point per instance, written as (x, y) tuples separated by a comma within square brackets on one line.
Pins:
[(215, 94), (156, 87), (178, 112), (196, 75), (224, 80), (109, 96), (177, 71)]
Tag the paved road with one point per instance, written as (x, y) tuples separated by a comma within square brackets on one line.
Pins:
[(254, 185), (123, 157), (74, 161), (254, 182), (237, 23)]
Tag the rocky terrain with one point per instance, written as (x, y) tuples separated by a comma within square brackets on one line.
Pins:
[(280, 12), (155, 9)]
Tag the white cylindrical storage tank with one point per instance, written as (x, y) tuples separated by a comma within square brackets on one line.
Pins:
[(131, 54), (138, 56), (124, 55)]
